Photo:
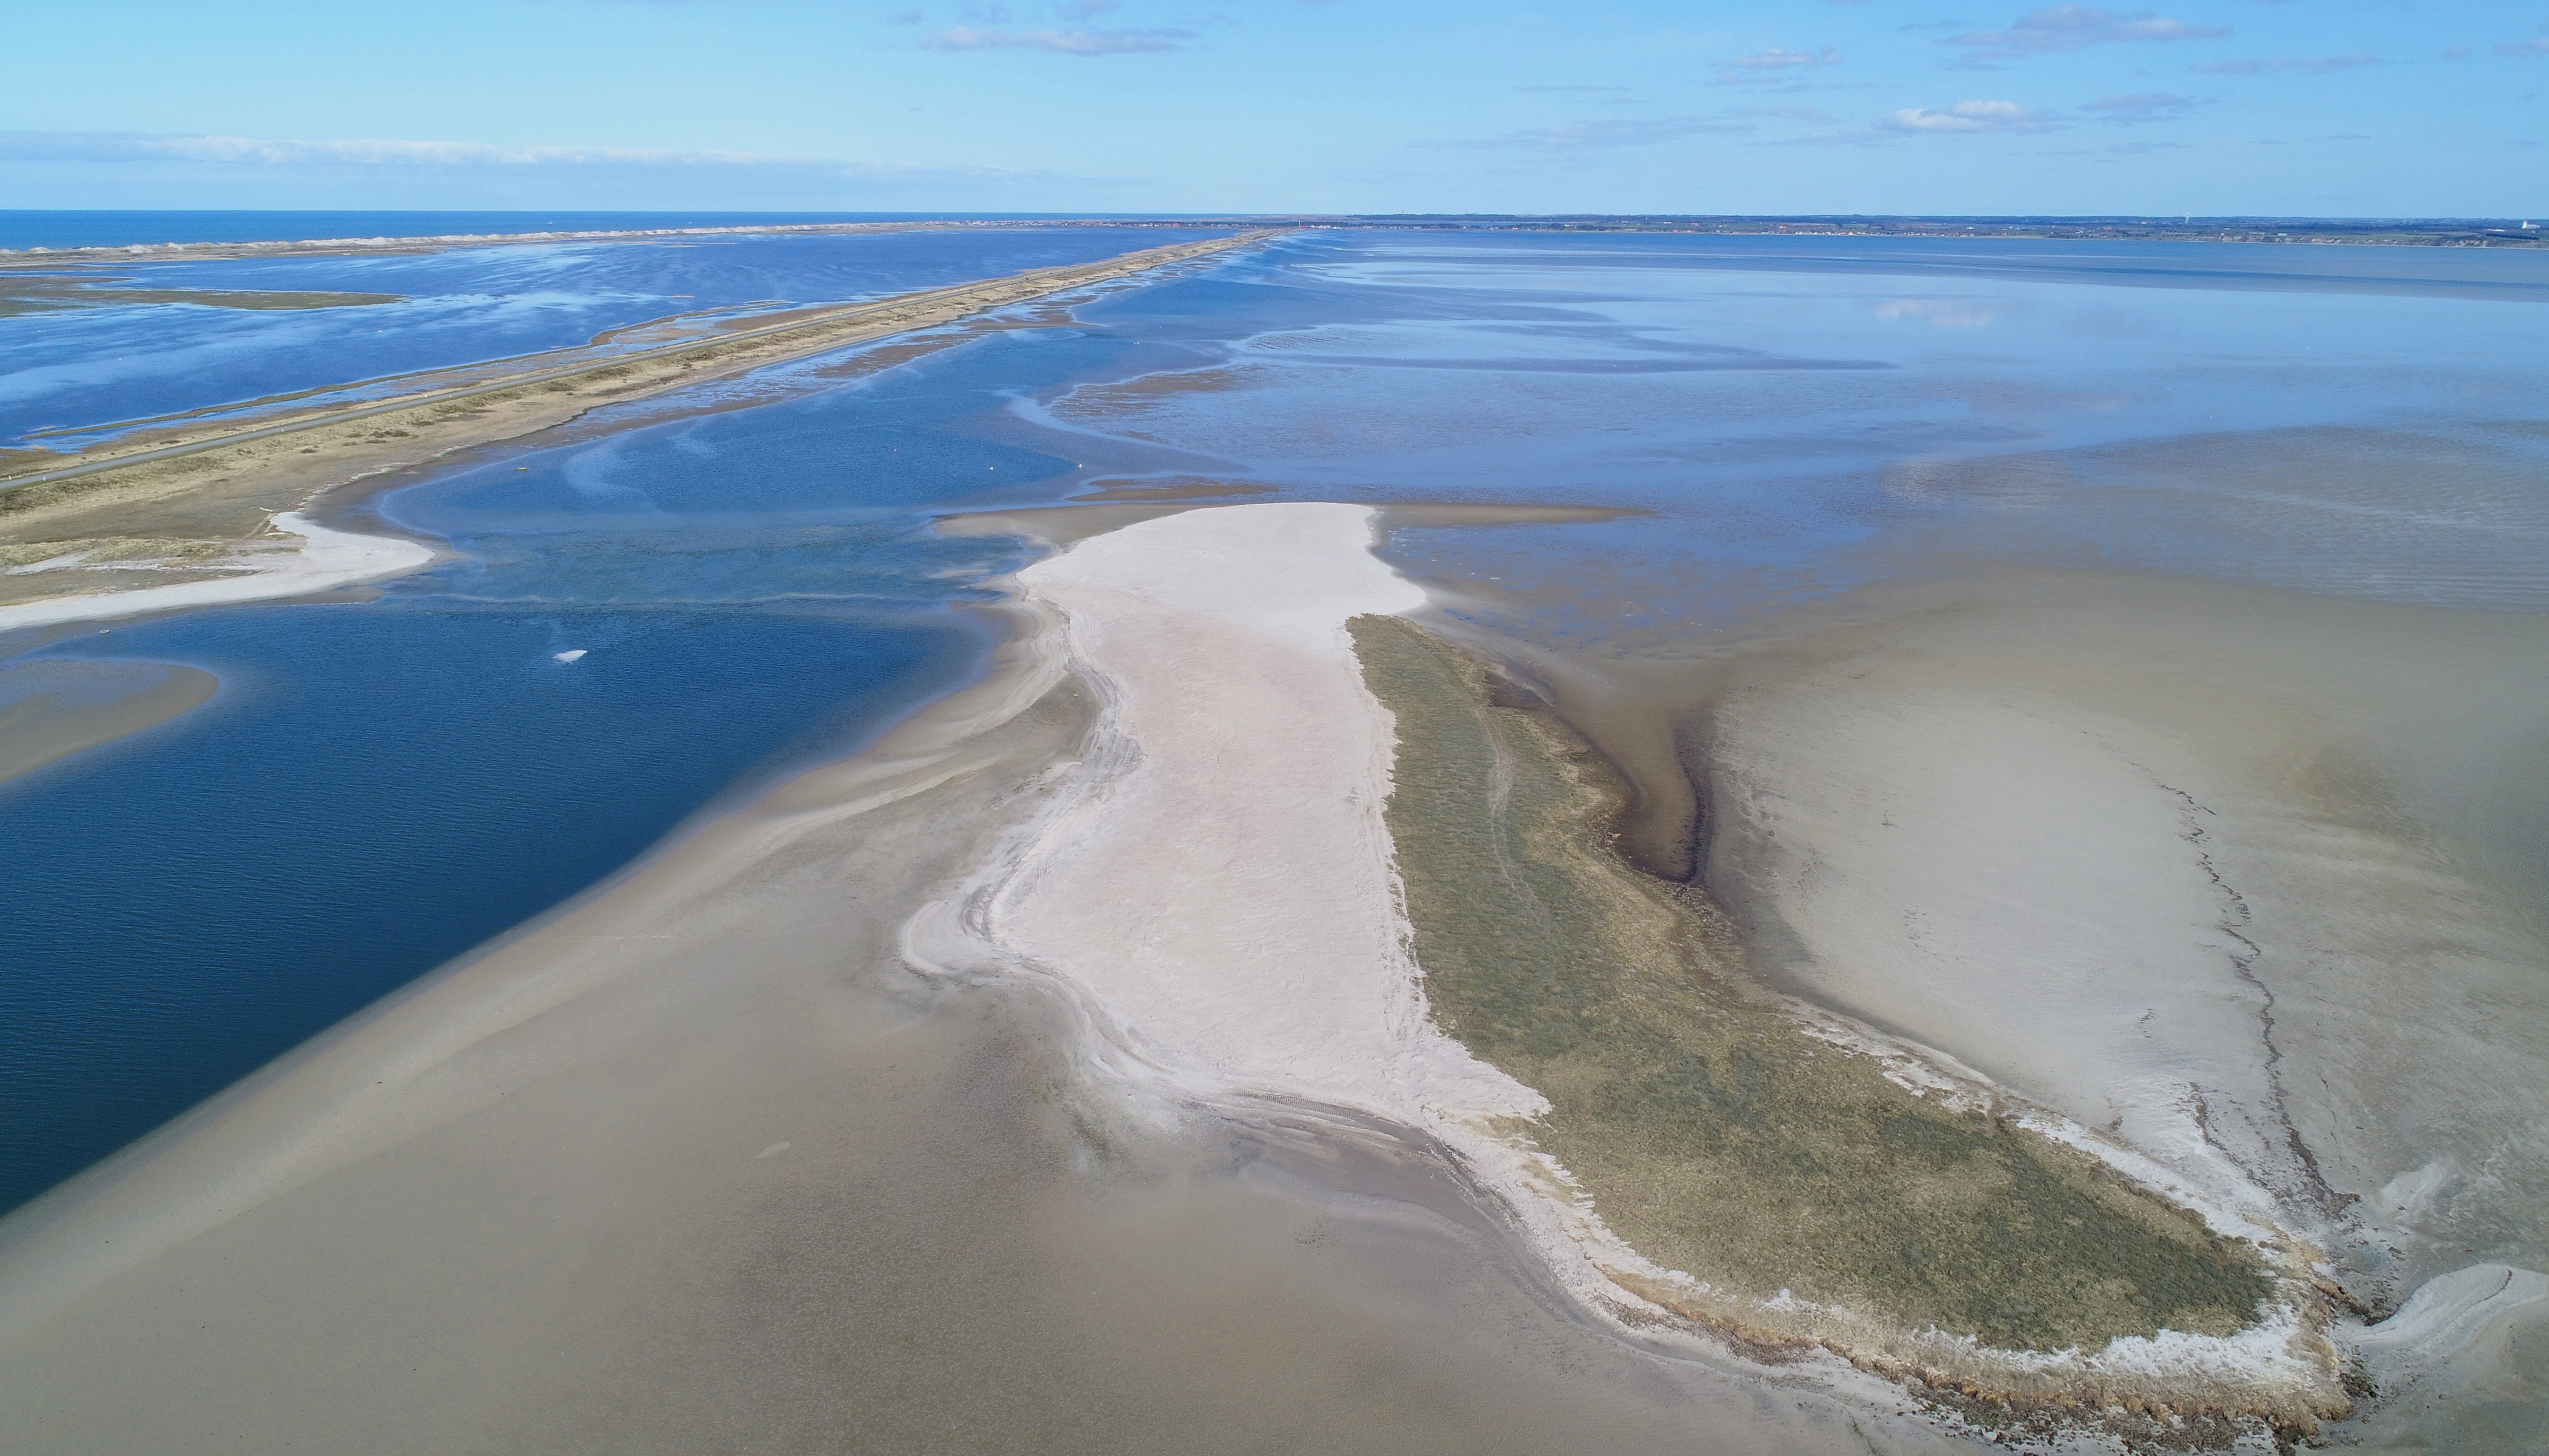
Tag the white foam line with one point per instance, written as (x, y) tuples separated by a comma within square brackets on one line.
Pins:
[(325, 560)]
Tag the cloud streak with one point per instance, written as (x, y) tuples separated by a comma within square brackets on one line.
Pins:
[(1968, 119), (1777, 59), (1089, 43), (415, 160), (2058, 28), (1610, 133), (249, 151), (2139, 108), (2314, 67)]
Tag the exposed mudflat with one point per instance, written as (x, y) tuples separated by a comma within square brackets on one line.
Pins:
[(1806, 1193)]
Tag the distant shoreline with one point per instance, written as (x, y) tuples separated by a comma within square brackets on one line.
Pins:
[(2495, 233), (217, 485), (389, 244)]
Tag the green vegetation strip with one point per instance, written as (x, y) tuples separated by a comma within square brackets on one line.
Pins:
[(1713, 1133)]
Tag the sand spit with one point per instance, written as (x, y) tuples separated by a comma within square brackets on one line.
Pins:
[(215, 481), (311, 559)]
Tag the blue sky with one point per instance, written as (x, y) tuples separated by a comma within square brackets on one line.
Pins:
[(2320, 106)]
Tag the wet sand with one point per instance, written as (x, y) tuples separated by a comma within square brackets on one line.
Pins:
[(2244, 875)]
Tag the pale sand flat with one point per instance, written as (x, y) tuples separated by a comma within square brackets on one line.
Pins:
[(1225, 884)]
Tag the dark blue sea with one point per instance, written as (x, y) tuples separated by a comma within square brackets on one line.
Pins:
[(381, 785)]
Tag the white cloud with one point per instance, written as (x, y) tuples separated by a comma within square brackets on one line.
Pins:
[(2071, 28), (1967, 118), (1064, 42), (2314, 67), (2537, 46)]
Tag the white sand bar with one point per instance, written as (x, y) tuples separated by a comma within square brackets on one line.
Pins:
[(324, 561), (1222, 885)]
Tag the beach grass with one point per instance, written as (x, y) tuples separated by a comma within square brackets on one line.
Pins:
[(1713, 1133)]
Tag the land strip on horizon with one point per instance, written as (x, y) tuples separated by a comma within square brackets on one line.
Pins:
[(220, 482), (2386, 231)]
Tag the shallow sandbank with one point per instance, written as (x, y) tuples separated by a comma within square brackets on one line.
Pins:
[(51, 709)]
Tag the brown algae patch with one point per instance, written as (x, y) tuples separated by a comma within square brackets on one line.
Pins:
[(1714, 1133)]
